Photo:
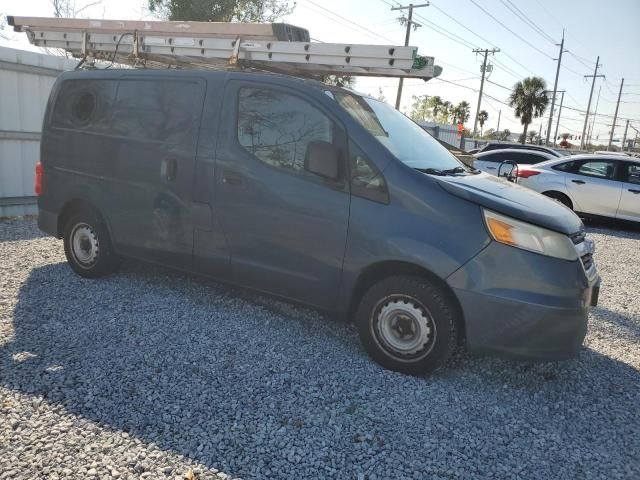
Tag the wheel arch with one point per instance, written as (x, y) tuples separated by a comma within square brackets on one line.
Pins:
[(381, 270), (556, 192), (75, 205)]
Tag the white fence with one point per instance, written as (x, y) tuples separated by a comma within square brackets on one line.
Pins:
[(25, 81), (450, 135)]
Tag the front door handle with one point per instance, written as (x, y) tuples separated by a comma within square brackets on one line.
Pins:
[(168, 169), (231, 178), (491, 168), (579, 182), (634, 191)]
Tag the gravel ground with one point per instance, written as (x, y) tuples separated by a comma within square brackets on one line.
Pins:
[(151, 373)]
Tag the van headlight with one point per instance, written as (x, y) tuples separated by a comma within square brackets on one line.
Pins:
[(529, 237)]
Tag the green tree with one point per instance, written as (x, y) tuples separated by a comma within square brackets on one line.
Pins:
[(503, 135), (490, 134), (529, 101), (221, 10), (461, 112), (435, 103), (483, 116), (448, 112), (420, 109), (340, 80)]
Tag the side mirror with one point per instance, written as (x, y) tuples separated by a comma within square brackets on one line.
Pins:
[(321, 158)]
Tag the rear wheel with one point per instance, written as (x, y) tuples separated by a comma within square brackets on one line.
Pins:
[(87, 245), (408, 324), (560, 197)]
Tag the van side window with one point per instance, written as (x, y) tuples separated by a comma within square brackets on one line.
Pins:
[(276, 127), (366, 179), (158, 110), (84, 104)]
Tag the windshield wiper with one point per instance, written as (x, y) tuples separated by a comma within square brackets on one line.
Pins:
[(431, 171), (451, 171)]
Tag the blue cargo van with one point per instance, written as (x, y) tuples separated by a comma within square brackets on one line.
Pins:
[(316, 194)]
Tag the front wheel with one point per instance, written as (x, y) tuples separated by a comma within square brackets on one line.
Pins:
[(87, 245), (408, 324)]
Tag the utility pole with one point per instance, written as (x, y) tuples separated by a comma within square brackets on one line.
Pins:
[(624, 137), (555, 136), (499, 115), (486, 52), (410, 24), (540, 133), (555, 87), (595, 114), (586, 117), (615, 115)]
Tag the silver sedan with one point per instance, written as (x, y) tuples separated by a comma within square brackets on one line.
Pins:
[(602, 185)]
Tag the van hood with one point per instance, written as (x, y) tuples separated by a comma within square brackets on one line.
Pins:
[(512, 200)]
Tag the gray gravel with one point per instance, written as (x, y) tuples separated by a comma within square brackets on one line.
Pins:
[(155, 374)]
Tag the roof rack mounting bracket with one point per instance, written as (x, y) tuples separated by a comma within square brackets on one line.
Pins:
[(235, 53)]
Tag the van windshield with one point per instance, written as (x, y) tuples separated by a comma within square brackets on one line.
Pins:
[(405, 139)]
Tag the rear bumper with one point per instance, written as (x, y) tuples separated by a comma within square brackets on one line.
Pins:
[(48, 222), (522, 305)]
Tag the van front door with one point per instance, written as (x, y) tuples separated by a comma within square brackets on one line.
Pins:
[(155, 124), (286, 227)]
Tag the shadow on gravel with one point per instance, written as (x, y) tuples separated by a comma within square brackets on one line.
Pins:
[(27, 228), (256, 387), (614, 228), (628, 326)]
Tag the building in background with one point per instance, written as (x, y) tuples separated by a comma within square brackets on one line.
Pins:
[(26, 79)]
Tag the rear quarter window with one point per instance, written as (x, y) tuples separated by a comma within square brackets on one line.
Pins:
[(565, 166), (84, 104), (157, 110)]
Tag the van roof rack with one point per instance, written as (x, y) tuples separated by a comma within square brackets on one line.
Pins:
[(275, 47)]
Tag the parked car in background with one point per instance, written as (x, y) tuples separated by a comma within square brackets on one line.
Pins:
[(491, 161), (526, 146), (600, 185)]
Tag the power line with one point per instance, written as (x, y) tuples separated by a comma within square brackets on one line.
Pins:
[(511, 31), (349, 22), (461, 24), (527, 21)]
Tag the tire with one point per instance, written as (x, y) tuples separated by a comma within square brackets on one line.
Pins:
[(560, 197), (87, 245), (408, 324)]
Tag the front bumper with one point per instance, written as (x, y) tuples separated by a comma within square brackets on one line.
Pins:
[(524, 305)]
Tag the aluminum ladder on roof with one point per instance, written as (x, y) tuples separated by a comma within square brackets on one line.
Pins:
[(273, 47)]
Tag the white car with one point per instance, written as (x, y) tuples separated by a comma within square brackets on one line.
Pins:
[(601, 185), (491, 161)]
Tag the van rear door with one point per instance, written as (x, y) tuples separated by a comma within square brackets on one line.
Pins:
[(286, 227), (155, 123)]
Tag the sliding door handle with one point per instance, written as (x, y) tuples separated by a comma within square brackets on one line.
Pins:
[(231, 178), (634, 191), (168, 169)]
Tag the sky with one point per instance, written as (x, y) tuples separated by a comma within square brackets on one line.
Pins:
[(525, 32)]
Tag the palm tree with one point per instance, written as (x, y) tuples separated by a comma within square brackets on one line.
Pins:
[(529, 100), (436, 105), (462, 111), (483, 116)]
